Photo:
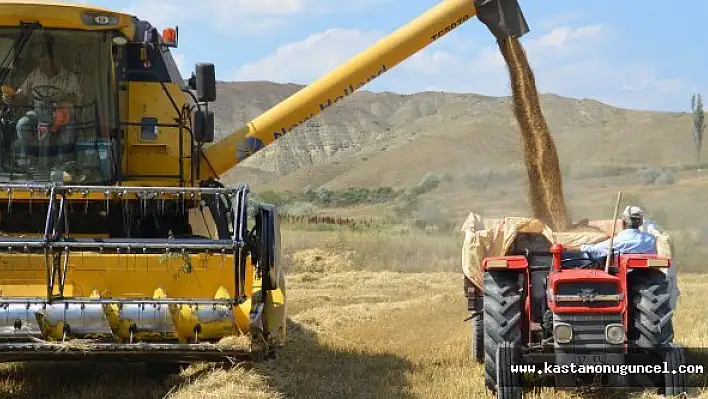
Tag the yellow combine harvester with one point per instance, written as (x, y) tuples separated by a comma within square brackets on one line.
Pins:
[(117, 240)]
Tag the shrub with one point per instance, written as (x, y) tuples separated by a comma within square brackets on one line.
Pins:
[(488, 177), (666, 177), (270, 197), (432, 215), (593, 171), (648, 177), (323, 195)]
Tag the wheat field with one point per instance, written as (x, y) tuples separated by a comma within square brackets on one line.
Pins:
[(372, 315)]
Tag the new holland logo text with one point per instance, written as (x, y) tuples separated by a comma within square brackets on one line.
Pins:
[(348, 90)]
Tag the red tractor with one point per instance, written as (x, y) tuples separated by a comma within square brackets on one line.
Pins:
[(542, 305)]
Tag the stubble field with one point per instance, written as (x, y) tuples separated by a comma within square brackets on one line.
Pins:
[(374, 315)]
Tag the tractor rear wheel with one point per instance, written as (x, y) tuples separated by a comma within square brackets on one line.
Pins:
[(502, 318), (673, 384), (649, 322), (650, 314), (509, 383), (477, 344)]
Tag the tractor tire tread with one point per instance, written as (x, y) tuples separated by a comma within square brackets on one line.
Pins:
[(502, 318), (650, 314), (477, 344)]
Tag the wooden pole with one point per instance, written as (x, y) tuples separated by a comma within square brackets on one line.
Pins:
[(610, 253)]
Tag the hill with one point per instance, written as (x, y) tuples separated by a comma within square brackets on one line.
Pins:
[(392, 140), (374, 139)]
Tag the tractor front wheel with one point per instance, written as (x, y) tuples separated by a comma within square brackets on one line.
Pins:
[(502, 319)]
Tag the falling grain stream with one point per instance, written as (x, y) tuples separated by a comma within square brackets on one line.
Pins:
[(540, 155)]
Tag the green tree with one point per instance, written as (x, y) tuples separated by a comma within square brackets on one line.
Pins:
[(270, 197), (698, 124)]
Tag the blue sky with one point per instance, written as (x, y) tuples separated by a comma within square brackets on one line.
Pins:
[(650, 57)]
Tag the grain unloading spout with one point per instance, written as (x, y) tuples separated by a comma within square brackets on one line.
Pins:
[(503, 17)]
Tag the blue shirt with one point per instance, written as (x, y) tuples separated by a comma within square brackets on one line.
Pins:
[(626, 241)]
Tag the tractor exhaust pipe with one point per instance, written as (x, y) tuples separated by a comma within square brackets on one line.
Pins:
[(503, 18)]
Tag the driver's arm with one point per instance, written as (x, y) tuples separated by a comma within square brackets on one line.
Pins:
[(72, 91), (596, 251), (24, 92), (70, 97)]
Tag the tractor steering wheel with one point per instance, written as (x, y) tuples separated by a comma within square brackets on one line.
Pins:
[(588, 262), (47, 93)]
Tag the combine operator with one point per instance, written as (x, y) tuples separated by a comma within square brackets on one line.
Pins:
[(46, 133)]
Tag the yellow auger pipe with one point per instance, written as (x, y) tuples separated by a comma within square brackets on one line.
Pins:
[(503, 17)]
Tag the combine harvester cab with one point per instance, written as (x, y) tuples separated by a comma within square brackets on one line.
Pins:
[(534, 303), (113, 243)]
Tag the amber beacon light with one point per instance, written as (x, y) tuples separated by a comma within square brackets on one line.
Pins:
[(169, 36)]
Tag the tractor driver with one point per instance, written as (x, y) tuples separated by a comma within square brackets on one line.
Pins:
[(630, 240), (52, 89)]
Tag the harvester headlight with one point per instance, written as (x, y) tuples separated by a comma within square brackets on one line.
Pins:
[(563, 333), (119, 41), (614, 333), (92, 18)]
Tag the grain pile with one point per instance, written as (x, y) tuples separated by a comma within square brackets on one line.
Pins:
[(540, 155)]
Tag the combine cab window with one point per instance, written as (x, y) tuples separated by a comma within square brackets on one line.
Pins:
[(58, 106)]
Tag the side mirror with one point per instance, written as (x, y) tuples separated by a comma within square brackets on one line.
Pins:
[(192, 82), (205, 82), (203, 126), (268, 227)]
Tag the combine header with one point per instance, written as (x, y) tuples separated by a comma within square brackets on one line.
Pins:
[(175, 296)]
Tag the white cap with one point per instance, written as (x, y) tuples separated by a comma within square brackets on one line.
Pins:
[(633, 211)]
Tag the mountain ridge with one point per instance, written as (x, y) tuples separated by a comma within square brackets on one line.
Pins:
[(371, 139)]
